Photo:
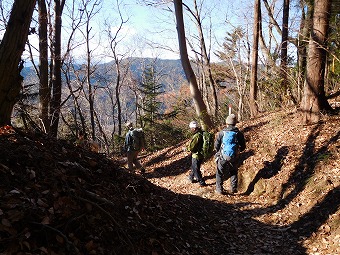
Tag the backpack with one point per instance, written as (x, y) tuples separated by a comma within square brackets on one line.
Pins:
[(208, 144), (138, 139), (229, 143)]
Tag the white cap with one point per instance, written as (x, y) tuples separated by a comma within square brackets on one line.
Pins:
[(193, 124)]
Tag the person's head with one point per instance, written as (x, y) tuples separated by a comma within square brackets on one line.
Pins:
[(129, 125), (193, 125), (231, 120)]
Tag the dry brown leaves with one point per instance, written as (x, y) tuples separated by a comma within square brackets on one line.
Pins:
[(56, 198)]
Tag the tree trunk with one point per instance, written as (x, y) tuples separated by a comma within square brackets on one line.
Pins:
[(11, 48), (207, 63), (255, 54), (314, 99), (56, 76), (200, 107), (305, 27), (44, 90), (284, 46), (88, 79)]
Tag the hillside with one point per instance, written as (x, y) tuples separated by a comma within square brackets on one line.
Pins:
[(56, 198)]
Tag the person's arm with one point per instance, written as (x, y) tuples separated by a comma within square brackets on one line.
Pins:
[(241, 141), (218, 141)]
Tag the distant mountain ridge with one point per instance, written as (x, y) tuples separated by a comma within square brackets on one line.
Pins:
[(164, 67)]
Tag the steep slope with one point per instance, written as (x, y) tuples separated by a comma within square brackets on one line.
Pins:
[(56, 198)]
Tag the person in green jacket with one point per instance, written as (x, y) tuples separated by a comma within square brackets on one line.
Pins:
[(195, 147)]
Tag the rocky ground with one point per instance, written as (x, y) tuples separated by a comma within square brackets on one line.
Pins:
[(57, 198)]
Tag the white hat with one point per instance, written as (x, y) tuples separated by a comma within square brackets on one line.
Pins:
[(193, 124)]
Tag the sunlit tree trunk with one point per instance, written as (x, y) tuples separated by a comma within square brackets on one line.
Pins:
[(314, 99), (11, 48), (305, 27), (254, 64), (201, 109)]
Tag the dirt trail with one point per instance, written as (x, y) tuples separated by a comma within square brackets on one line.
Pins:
[(56, 198)]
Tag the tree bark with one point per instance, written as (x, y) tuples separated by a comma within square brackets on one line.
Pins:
[(304, 31), (11, 49), (201, 109), (56, 76), (284, 46), (255, 54), (314, 99)]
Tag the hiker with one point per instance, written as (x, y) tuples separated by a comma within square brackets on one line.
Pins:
[(131, 150), (228, 143), (195, 147)]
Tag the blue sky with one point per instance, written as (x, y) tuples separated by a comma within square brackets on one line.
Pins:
[(151, 31)]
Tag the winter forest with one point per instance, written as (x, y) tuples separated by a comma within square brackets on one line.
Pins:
[(53, 77)]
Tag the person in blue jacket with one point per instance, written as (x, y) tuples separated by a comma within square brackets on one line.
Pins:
[(229, 142)]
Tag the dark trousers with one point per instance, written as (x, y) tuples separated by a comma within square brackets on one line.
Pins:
[(226, 169), (196, 170)]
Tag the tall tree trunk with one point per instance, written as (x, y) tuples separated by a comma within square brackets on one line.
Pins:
[(284, 46), (201, 109), (56, 75), (314, 99), (44, 89), (88, 80), (305, 27), (11, 48), (254, 64)]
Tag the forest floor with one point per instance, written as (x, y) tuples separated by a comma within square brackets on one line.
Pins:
[(57, 198)]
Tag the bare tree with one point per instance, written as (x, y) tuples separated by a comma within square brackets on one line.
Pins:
[(90, 11), (284, 46), (201, 109), (56, 71), (11, 48), (203, 59), (253, 81), (117, 59)]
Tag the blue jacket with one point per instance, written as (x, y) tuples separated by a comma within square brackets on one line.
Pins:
[(240, 138)]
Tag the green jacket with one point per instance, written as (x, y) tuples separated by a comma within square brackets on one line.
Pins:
[(196, 144)]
